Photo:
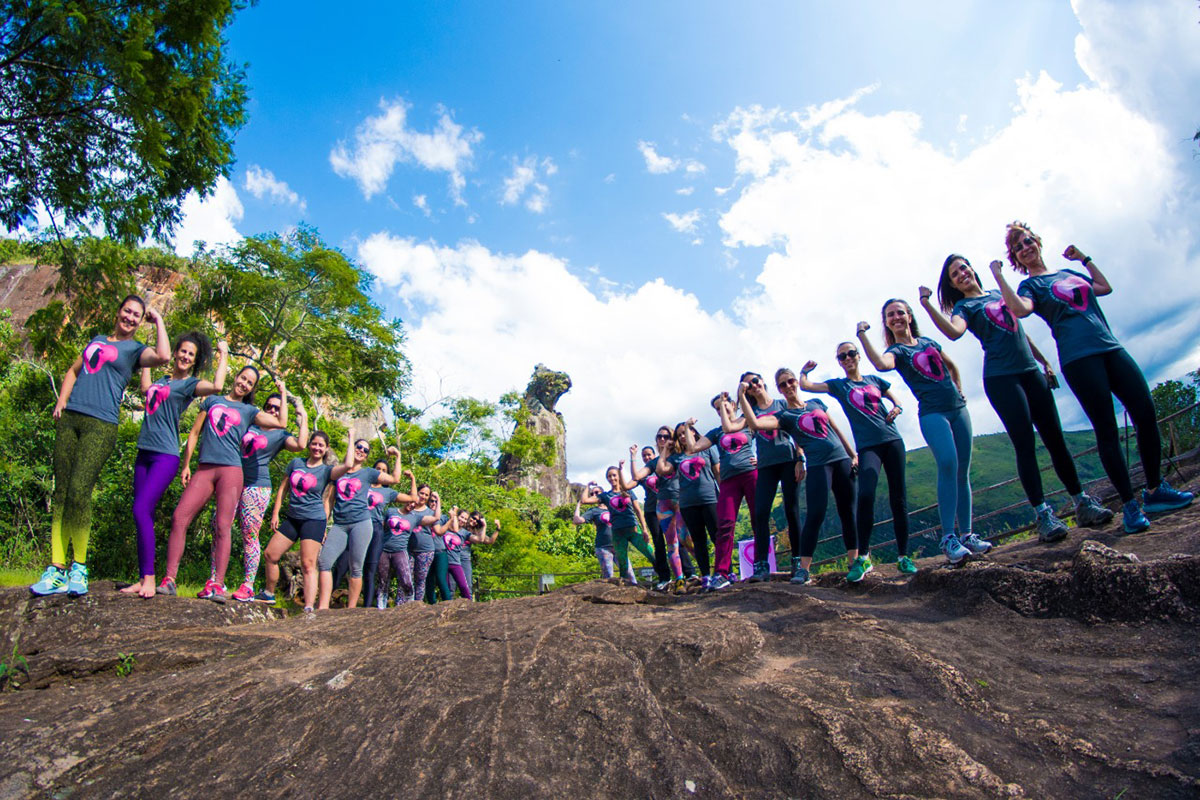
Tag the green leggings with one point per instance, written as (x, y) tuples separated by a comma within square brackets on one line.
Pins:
[(81, 446), (623, 537), (439, 578)]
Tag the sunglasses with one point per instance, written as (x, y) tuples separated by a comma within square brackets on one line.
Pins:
[(846, 356), (662, 436), (272, 409), (362, 449), (1022, 244), (755, 381), (788, 382)]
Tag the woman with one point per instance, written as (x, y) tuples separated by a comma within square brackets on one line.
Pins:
[(420, 544), (379, 500), (942, 414), (455, 539), (219, 428), (157, 461), (698, 476), (1018, 391), (780, 464), (351, 529), (623, 511), (736, 467), (475, 528), (667, 508), (1096, 366), (439, 569), (878, 443), (649, 484), (401, 527), (259, 448), (309, 489), (86, 433), (602, 546)]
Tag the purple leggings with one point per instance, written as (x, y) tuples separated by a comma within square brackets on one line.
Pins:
[(152, 474), (460, 577)]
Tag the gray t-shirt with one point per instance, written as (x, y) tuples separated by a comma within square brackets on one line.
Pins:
[(649, 486), (101, 382), (668, 488), (399, 528), (773, 447), (166, 400), (306, 489), (810, 427), (422, 537), (350, 496), (221, 437), (454, 547), (602, 519), (697, 485), (259, 447), (1066, 300), (439, 540), (377, 501), (620, 508), (736, 450), (863, 403), (925, 372), (1005, 348)]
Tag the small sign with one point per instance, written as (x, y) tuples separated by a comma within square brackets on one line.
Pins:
[(746, 557)]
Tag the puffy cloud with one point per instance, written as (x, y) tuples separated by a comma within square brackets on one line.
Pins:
[(212, 220), (683, 223), (422, 202), (661, 165), (263, 183), (382, 141), (525, 176)]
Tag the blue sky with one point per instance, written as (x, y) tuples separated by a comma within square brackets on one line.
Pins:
[(654, 197)]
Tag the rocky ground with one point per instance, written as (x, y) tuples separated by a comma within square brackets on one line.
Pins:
[(1043, 672)]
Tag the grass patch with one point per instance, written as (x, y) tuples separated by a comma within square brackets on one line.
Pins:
[(18, 577)]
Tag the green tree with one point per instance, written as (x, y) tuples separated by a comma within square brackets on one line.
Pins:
[(111, 112), (1179, 397)]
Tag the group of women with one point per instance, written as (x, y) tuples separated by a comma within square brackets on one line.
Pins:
[(347, 518), (696, 483)]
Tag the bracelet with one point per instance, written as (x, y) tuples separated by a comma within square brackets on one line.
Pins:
[(1086, 260)]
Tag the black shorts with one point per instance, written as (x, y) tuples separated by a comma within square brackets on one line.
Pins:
[(311, 529)]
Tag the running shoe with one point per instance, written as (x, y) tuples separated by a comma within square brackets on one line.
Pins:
[(1165, 498), (1049, 527), (859, 569), (1133, 518), (800, 576), (905, 566), (381, 601), (212, 591), (706, 583), (265, 597), (762, 572), (976, 545), (167, 587), (77, 580), (1089, 513), (244, 593), (719, 582), (662, 586), (678, 586), (695, 580), (53, 581), (953, 549)]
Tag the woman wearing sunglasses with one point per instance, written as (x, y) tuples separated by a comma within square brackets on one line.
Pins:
[(942, 414), (1016, 388), (879, 445), (667, 509), (1094, 363)]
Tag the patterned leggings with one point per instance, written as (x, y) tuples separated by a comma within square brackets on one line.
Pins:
[(669, 522), (250, 512), (421, 564), (607, 558), (398, 563)]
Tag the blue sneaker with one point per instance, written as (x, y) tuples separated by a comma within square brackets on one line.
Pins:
[(762, 572), (859, 569), (976, 545), (1135, 520), (719, 582), (905, 566), (53, 581), (77, 580), (1165, 498), (953, 549)]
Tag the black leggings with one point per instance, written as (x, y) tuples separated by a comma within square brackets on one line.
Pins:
[(661, 567), (701, 522), (1094, 379), (1023, 401), (890, 457), (371, 564), (816, 498), (764, 497)]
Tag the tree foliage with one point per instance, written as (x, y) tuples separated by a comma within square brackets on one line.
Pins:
[(111, 112), (1179, 397)]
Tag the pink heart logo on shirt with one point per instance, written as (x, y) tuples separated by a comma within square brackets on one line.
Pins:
[(866, 399), (929, 363), (399, 525), (156, 395), (348, 488), (223, 418), (374, 498), (96, 355), (620, 503), (1071, 290), (605, 517), (815, 423), (453, 540), (768, 435), (733, 442), (302, 483), (692, 467), (998, 314), (652, 482), (252, 442)]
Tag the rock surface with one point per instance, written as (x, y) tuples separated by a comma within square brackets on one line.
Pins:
[(1042, 672), (541, 395)]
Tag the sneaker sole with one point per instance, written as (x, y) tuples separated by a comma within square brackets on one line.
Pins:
[(76, 593), (50, 593), (1163, 509), (1057, 536)]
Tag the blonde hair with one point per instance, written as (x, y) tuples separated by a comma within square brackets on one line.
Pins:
[(1014, 232)]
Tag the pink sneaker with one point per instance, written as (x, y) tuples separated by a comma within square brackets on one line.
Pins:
[(212, 591), (244, 593)]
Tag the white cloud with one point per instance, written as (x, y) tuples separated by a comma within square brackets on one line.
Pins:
[(263, 183), (610, 178), (422, 202), (683, 223), (686, 191), (656, 164), (212, 220), (525, 176), (382, 141)]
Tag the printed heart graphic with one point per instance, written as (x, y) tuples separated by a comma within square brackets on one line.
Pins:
[(866, 399), (652, 482), (156, 395), (222, 419), (750, 551), (348, 488), (1072, 290), (815, 423), (606, 518), (733, 442), (96, 355), (620, 503), (399, 525), (692, 467), (302, 483), (252, 442), (453, 540), (768, 435), (998, 314), (374, 498), (929, 363)]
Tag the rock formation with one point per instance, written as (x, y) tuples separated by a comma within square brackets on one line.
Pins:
[(24, 287), (545, 388)]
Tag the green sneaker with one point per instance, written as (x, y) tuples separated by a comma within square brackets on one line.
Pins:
[(859, 569), (905, 566)]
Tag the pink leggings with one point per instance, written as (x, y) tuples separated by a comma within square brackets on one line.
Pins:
[(207, 480), (732, 492)]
